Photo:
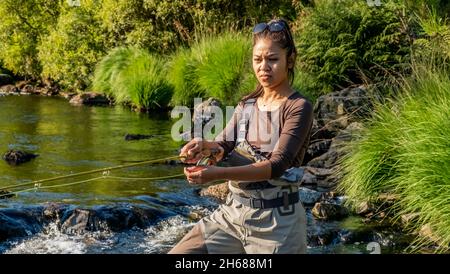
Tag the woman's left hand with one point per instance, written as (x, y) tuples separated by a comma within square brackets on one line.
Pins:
[(202, 174)]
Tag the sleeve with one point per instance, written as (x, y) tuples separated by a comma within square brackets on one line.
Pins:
[(293, 136), (227, 138)]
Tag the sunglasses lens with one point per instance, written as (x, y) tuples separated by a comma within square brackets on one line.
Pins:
[(275, 27), (259, 28)]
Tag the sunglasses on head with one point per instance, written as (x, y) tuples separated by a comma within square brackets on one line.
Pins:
[(276, 26), (273, 27)]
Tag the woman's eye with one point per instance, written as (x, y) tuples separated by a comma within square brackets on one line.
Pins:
[(273, 59), (257, 60)]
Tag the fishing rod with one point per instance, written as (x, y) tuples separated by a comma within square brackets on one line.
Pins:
[(207, 158)]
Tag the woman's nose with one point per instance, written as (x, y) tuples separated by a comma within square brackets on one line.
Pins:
[(264, 65)]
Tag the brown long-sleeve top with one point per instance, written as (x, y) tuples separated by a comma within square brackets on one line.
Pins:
[(291, 131)]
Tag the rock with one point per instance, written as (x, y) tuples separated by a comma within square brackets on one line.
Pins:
[(315, 149), (67, 95), (327, 160), (327, 211), (350, 102), (90, 99), (309, 179), (427, 232), (21, 84), (320, 132), (407, 219), (204, 112), (4, 194), (114, 218), (365, 208), (219, 192), (309, 196), (45, 91), (27, 89), (16, 157), (5, 79), (130, 137), (9, 89), (18, 222)]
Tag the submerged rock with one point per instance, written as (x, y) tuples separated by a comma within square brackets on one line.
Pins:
[(90, 99), (16, 157), (131, 137), (114, 218)]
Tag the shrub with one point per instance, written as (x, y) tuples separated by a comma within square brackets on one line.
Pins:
[(405, 150), (163, 26), (226, 61), (134, 76), (346, 42), (73, 47), (23, 24)]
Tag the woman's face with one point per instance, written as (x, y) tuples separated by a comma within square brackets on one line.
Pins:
[(269, 63)]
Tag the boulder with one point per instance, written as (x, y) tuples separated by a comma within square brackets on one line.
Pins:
[(16, 157), (218, 192), (90, 99), (9, 89), (204, 112), (352, 103), (328, 211), (309, 196), (315, 149)]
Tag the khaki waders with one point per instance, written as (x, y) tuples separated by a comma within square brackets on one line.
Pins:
[(259, 217)]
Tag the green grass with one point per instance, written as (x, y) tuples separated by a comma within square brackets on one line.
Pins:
[(226, 62), (107, 69), (215, 66), (183, 78), (405, 150), (134, 76)]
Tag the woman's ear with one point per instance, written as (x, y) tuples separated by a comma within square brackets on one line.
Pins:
[(291, 61)]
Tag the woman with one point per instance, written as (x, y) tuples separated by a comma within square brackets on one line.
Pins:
[(265, 140)]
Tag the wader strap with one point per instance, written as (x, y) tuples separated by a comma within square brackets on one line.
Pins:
[(245, 117), (284, 201)]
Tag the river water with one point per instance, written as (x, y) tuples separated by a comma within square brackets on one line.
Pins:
[(70, 139)]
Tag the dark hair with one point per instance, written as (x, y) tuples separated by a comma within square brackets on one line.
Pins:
[(285, 40)]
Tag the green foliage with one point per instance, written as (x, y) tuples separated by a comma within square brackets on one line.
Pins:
[(347, 42), (226, 61), (107, 69), (73, 47), (182, 75), (165, 25), (134, 76), (218, 67), (22, 24), (405, 150)]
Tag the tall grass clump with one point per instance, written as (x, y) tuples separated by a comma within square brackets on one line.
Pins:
[(215, 66), (183, 78), (405, 150), (226, 62), (107, 70), (134, 76)]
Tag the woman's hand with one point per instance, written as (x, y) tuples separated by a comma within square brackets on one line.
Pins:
[(195, 149), (202, 174), (192, 150)]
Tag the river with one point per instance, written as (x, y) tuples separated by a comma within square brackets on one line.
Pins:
[(71, 139)]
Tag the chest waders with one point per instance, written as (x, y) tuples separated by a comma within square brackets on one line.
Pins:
[(257, 217)]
